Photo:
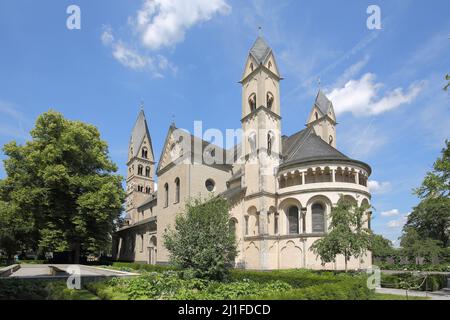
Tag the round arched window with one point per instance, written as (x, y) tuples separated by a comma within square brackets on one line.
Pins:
[(210, 185)]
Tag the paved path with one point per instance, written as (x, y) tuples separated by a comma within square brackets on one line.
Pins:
[(436, 295)]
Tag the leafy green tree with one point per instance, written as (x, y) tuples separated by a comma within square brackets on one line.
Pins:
[(203, 240), (431, 220), (437, 182), (347, 235), (415, 247), (64, 185), (380, 246)]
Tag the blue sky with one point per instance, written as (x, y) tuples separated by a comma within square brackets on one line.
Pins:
[(185, 61)]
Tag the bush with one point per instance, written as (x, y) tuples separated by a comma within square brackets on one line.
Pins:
[(444, 267), (20, 289), (170, 286), (130, 266), (410, 281), (33, 261), (351, 289), (296, 278)]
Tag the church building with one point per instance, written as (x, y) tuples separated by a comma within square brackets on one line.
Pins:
[(280, 188)]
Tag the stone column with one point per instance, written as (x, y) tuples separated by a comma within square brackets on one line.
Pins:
[(303, 178), (303, 215), (333, 175), (357, 177)]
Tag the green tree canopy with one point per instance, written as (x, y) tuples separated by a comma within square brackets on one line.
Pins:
[(203, 240), (415, 246), (437, 181), (380, 246), (347, 234), (64, 185)]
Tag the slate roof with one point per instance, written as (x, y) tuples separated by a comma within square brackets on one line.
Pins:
[(260, 50), (322, 103), (306, 146), (140, 130)]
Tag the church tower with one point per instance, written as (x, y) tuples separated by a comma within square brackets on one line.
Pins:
[(261, 143), (323, 119), (141, 163), (261, 120)]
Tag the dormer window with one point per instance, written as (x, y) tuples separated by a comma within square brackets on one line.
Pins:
[(270, 100), (269, 65), (251, 67), (317, 116), (252, 102)]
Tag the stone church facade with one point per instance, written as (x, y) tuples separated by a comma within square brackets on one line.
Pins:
[(280, 188)]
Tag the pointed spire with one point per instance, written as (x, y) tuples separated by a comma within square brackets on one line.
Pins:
[(322, 102), (140, 131), (260, 50)]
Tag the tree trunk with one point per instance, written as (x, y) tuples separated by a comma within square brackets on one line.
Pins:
[(345, 258)]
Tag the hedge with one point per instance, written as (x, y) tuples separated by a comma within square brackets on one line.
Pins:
[(354, 289), (410, 281), (127, 266), (297, 278), (20, 289)]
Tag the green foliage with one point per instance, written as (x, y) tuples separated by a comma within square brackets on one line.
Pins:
[(442, 267), (437, 182), (351, 289), (380, 246), (430, 220), (61, 191), (415, 247), (347, 235), (203, 241), (410, 281), (296, 278), (19, 289), (170, 286), (130, 266)]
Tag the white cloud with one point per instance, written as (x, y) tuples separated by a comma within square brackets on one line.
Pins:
[(133, 59), (398, 223), (390, 213), (12, 121), (362, 97), (351, 72), (377, 187), (163, 23)]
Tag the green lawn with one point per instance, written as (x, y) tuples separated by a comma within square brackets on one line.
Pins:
[(385, 296)]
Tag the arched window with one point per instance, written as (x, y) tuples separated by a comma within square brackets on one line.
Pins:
[(317, 116), (140, 188), (293, 220), (330, 139), (252, 102), (246, 225), (269, 100), (144, 153), (177, 190), (166, 195), (270, 137), (140, 170), (147, 171), (148, 190), (232, 225), (318, 218), (251, 67)]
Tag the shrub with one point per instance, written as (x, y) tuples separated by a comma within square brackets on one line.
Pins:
[(130, 266), (297, 278), (351, 289), (433, 282)]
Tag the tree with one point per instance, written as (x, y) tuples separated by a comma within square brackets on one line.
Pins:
[(380, 246), (63, 183), (431, 220), (415, 247), (437, 182), (347, 235), (203, 240)]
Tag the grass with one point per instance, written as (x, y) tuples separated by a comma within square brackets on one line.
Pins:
[(385, 296)]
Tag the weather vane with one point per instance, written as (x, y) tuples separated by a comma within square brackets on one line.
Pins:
[(142, 105), (318, 82), (260, 31)]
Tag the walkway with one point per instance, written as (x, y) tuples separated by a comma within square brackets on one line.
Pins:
[(436, 295)]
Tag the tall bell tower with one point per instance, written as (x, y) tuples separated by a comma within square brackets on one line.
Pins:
[(261, 120), (141, 168), (261, 143)]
